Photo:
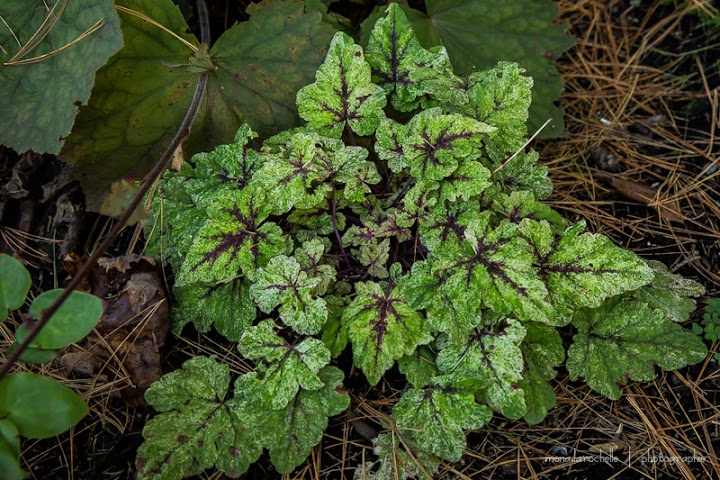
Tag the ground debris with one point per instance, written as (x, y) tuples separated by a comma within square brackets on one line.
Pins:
[(125, 346)]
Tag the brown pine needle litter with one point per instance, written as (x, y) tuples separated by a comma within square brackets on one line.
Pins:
[(640, 164)]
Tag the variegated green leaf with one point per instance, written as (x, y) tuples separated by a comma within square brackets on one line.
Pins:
[(623, 340), (227, 306), (419, 367), (284, 367), (542, 351), (382, 328), (234, 240), (436, 143), (343, 94), (283, 283), (582, 269), (294, 430), (198, 427), (393, 52), (436, 416), (669, 292), (491, 362)]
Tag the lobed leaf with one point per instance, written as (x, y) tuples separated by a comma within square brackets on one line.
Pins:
[(436, 416), (342, 94), (623, 340), (382, 328), (284, 367)]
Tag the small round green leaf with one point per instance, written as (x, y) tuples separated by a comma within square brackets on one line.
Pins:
[(73, 321), (14, 284), (39, 406)]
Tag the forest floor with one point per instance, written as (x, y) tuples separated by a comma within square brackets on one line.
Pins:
[(640, 164)]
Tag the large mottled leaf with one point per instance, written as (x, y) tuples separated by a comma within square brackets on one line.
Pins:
[(234, 240), (284, 367), (296, 429), (342, 94), (382, 328), (393, 52), (254, 71), (227, 306), (398, 459), (522, 173), (542, 351), (48, 65), (436, 143), (491, 362), (444, 295), (198, 427), (139, 98), (583, 269), (436, 416), (283, 283), (479, 33), (623, 340)]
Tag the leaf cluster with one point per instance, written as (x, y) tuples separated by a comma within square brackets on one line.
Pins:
[(404, 221)]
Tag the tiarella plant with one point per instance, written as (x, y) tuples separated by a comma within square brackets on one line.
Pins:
[(404, 222)]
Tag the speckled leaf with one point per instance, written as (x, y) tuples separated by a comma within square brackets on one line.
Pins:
[(234, 240), (296, 429), (343, 94), (398, 459), (669, 292), (542, 351), (289, 178), (623, 340), (522, 173), (284, 367), (283, 283), (583, 269), (436, 143), (491, 362), (522, 204), (479, 33), (41, 96), (227, 306), (393, 52), (196, 428), (469, 180), (501, 97), (436, 416), (389, 140), (444, 295), (446, 225), (419, 368), (310, 257), (382, 328), (497, 266)]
